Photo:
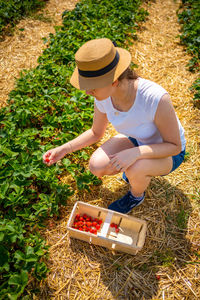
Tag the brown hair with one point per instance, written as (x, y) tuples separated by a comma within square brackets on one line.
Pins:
[(128, 74)]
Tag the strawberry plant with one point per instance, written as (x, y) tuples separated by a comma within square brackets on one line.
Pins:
[(45, 111)]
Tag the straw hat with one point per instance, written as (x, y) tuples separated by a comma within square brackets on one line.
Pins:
[(99, 63)]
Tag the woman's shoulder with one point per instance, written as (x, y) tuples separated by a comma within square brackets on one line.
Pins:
[(149, 84), (149, 88)]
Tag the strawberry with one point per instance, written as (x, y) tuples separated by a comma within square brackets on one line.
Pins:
[(116, 230), (112, 225), (98, 226), (94, 231), (47, 159), (51, 224)]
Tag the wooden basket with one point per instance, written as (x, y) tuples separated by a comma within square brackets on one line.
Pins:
[(129, 239)]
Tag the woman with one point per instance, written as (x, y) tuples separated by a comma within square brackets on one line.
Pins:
[(151, 140)]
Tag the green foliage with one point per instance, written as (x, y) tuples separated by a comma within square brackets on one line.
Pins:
[(45, 111), (189, 19), (182, 218), (12, 11), (164, 258), (196, 89)]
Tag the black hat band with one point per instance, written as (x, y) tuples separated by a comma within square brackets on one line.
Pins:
[(101, 71)]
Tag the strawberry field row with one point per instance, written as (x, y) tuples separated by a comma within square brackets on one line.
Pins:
[(189, 19), (11, 11), (45, 111)]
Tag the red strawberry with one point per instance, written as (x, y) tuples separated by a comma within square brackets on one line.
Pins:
[(89, 224), (80, 223)]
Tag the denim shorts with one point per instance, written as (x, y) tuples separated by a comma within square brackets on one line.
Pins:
[(177, 159)]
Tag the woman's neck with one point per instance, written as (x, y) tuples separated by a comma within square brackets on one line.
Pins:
[(125, 94)]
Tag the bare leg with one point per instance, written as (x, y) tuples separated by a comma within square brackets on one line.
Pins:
[(99, 161), (139, 174)]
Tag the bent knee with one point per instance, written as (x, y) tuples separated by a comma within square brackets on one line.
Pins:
[(138, 168), (97, 167)]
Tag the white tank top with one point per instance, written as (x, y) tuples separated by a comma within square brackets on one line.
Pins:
[(138, 122)]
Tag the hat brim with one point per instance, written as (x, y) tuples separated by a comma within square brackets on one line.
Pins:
[(87, 83)]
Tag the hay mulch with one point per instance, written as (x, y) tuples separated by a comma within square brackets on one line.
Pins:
[(22, 49), (168, 266)]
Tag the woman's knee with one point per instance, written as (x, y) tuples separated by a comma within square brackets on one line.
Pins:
[(137, 169), (97, 166)]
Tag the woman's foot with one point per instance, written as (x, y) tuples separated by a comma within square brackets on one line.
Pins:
[(126, 203)]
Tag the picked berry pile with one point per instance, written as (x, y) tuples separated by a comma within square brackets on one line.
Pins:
[(113, 225), (87, 223)]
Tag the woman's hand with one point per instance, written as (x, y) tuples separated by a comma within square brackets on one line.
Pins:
[(54, 155), (123, 159)]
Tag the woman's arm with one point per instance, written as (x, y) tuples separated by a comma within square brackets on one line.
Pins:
[(87, 138), (166, 122), (91, 136)]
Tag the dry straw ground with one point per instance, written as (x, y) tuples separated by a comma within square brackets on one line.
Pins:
[(168, 266)]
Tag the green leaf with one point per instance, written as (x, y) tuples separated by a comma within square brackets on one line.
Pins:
[(19, 255), (8, 152), (1, 236), (66, 162), (20, 279)]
